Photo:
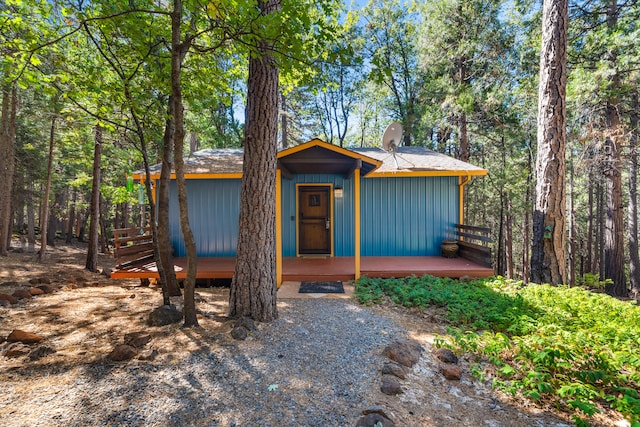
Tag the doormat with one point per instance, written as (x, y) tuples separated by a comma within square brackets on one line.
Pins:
[(321, 288)]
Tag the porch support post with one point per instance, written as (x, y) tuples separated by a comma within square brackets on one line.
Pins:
[(356, 212), (462, 181), (278, 228)]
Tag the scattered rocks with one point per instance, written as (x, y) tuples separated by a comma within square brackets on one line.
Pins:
[(40, 352), (4, 303), (390, 385), (377, 409), (239, 333), (403, 351), (447, 356), (164, 315), (16, 350), (392, 368), (24, 337), (40, 280), (35, 291), (122, 352), (9, 298), (451, 372), (22, 294)]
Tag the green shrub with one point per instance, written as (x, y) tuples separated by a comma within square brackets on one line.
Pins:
[(568, 345)]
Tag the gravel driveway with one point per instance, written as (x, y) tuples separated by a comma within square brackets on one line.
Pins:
[(311, 367)]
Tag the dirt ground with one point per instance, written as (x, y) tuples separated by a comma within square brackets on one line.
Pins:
[(89, 313)]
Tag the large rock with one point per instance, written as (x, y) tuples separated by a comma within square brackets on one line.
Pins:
[(137, 339), (16, 350), (451, 372), (391, 385), (403, 351), (47, 289), (246, 322), (123, 352), (392, 368), (35, 291), (165, 315), (9, 298), (24, 337), (447, 356), (22, 294), (239, 333)]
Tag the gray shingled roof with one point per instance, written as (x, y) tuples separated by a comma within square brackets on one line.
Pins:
[(409, 159), (416, 159)]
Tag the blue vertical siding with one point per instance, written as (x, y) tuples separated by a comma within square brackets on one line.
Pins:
[(403, 216), (407, 216), (214, 209)]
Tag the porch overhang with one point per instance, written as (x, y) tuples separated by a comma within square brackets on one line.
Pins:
[(319, 157)]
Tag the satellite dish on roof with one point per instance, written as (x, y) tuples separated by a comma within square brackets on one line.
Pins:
[(392, 137)]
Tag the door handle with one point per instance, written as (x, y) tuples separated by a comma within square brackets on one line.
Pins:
[(327, 224)]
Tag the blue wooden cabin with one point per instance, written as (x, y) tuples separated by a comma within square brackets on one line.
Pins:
[(357, 207)]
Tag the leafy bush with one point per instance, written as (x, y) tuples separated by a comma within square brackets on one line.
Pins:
[(569, 345)]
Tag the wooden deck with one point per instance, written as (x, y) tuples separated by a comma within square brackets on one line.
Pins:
[(336, 268)]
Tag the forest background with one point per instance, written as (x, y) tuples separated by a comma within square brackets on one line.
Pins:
[(90, 80)]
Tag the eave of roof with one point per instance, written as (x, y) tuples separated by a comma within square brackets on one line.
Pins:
[(317, 156)]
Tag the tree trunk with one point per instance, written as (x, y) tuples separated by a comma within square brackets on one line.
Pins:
[(572, 228), (7, 163), (178, 51), (253, 288), (634, 264), (500, 256), (599, 260), (283, 121), (193, 142), (31, 220), (508, 239), (526, 225), (548, 250), (464, 137), (589, 261), (614, 220), (44, 207), (164, 237), (92, 249), (104, 245), (72, 216)]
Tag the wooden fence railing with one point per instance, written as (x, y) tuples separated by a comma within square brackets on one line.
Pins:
[(473, 243), (133, 245)]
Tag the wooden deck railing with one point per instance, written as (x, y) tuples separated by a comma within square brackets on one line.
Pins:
[(133, 245), (473, 244)]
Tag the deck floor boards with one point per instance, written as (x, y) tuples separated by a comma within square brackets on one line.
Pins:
[(336, 268)]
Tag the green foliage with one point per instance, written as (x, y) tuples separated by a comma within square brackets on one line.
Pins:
[(567, 345), (592, 281)]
